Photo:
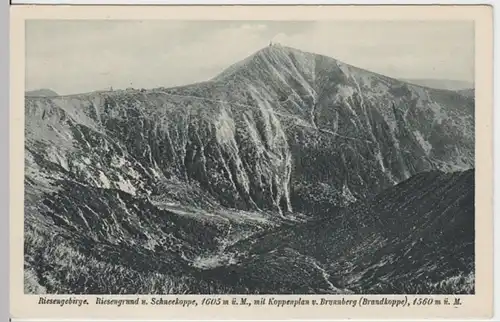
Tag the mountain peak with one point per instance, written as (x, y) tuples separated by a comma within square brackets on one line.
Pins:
[(275, 57), (277, 48)]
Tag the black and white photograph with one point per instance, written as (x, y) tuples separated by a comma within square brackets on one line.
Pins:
[(249, 157)]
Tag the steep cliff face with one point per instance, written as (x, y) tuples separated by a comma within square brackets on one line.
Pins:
[(283, 129), (139, 143), (352, 132)]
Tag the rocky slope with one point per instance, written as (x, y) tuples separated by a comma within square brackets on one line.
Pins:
[(183, 173)]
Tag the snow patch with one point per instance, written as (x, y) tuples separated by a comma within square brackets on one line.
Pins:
[(225, 128), (423, 143), (59, 159), (212, 261), (104, 180), (252, 131), (125, 185), (345, 91), (344, 68)]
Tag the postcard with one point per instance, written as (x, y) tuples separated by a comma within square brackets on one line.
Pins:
[(251, 162)]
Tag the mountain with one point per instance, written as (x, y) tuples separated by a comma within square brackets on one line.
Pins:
[(41, 93), (113, 179), (446, 84)]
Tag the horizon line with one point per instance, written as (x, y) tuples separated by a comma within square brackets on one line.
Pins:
[(271, 44)]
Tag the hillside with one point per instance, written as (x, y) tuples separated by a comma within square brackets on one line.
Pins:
[(415, 238)]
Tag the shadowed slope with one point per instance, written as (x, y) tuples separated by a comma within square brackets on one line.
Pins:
[(416, 237)]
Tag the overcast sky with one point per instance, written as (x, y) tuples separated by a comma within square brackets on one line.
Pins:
[(81, 56)]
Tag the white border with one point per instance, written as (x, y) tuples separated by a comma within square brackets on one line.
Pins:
[(4, 159), (4, 99), (253, 2)]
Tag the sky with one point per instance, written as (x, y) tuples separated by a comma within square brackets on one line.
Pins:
[(76, 56)]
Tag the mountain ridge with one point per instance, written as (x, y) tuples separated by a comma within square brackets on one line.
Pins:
[(288, 96), (443, 84), (43, 92), (248, 58)]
